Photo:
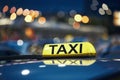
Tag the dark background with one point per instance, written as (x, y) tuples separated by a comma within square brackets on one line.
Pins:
[(51, 7)]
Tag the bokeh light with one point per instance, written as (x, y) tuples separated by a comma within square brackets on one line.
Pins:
[(25, 72), (78, 18), (93, 7), (76, 25), (41, 20), (85, 19), (95, 2), (109, 12), (68, 38), (56, 40), (5, 8), (26, 12), (61, 65), (28, 18), (42, 66), (71, 21), (0, 74), (72, 13), (32, 13), (104, 6), (36, 14), (19, 11), (13, 16), (13, 10), (101, 11), (116, 16), (20, 42), (29, 32)]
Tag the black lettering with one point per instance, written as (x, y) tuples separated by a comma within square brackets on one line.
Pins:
[(53, 46), (73, 48), (80, 61), (80, 48), (73, 62), (62, 49), (53, 62), (61, 61)]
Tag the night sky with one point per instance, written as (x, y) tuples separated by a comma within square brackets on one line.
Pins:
[(45, 5), (53, 6)]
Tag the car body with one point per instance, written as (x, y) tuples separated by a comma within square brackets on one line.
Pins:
[(61, 69)]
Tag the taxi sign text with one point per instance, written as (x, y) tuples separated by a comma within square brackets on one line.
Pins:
[(63, 49), (69, 49)]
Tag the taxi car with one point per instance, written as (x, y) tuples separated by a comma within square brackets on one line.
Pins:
[(63, 61)]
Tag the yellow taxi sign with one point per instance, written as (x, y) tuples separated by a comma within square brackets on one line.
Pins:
[(76, 49), (70, 62)]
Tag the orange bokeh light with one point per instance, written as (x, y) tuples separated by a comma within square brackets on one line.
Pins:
[(76, 25), (29, 32), (26, 12), (85, 19), (32, 13), (5, 8), (41, 20), (19, 11), (37, 14)]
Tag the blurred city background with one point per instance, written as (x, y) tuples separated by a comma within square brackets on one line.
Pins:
[(26, 26)]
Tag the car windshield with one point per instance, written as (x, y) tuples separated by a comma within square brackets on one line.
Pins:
[(26, 26)]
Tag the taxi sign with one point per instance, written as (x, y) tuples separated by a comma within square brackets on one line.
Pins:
[(70, 62), (77, 49)]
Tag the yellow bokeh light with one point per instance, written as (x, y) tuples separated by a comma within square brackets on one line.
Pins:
[(78, 18), (85, 19), (41, 20), (76, 25), (26, 12), (5, 8), (68, 38), (28, 18), (116, 19), (13, 16), (19, 11)]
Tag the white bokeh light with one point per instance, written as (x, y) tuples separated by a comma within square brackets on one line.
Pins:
[(101, 11), (61, 65), (0, 74), (56, 40), (25, 72), (20, 42), (42, 66), (105, 6)]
